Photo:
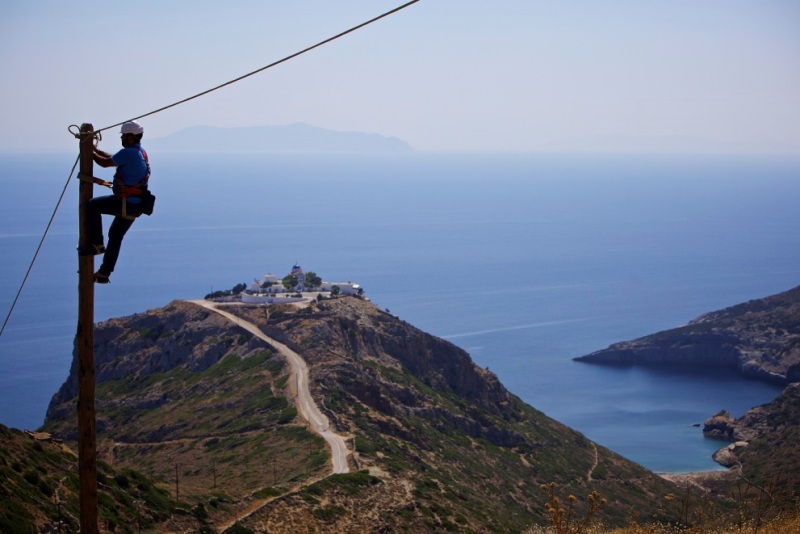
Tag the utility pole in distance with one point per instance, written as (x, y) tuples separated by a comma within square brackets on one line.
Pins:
[(84, 344)]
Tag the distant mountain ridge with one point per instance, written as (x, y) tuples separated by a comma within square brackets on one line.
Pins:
[(297, 137)]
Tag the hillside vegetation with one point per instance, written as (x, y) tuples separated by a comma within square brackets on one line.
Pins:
[(206, 411), (184, 394), (39, 491)]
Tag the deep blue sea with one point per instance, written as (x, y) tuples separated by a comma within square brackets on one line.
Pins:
[(525, 261)]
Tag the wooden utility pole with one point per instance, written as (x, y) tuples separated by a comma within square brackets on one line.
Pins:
[(84, 343)]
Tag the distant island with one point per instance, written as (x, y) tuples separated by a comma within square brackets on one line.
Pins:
[(296, 137)]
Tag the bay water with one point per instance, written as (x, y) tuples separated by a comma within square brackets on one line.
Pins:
[(525, 261)]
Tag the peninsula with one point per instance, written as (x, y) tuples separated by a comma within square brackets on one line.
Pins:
[(759, 338), (431, 440)]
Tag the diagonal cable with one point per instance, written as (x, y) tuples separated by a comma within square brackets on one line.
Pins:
[(287, 58), (39, 248)]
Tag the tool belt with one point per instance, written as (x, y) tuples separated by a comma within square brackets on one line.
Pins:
[(146, 205)]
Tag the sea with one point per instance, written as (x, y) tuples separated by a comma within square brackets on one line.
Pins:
[(525, 261)]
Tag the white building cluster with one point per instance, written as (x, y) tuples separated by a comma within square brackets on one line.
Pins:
[(270, 289)]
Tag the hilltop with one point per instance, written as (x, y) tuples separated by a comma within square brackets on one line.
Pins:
[(435, 442), (759, 338)]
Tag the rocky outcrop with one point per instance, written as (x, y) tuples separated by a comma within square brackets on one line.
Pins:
[(728, 456), (764, 424), (180, 334), (719, 426), (723, 426), (760, 339)]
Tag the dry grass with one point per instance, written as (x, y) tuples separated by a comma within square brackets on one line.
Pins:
[(697, 515), (779, 525)]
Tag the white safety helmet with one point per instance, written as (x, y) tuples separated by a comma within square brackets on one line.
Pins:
[(131, 127)]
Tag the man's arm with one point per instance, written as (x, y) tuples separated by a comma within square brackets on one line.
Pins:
[(102, 158)]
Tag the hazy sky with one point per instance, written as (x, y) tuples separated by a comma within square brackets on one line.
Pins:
[(453, 75)]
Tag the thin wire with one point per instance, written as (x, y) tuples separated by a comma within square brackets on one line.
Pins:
[(39, 248), (287, 58)]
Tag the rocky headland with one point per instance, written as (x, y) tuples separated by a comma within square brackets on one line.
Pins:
[(759, 338), (434, 442)]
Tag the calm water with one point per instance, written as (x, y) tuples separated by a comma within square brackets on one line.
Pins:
[(524, 261)]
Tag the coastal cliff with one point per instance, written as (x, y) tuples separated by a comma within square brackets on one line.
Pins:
[(759, 338), (434, 442)]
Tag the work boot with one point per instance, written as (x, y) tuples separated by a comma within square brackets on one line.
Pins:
[(101, 278)]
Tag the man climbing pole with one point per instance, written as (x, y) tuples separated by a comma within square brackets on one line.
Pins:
[(131, 198)]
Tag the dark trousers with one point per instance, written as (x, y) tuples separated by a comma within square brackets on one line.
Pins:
[(109, 205)]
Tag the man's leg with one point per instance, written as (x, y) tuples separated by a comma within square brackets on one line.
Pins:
[(117, 231), (109, 205)]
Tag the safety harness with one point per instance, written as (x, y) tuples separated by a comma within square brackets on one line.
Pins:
[(136, 190), (124, 191)]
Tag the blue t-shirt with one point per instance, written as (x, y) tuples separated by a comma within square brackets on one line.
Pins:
[(131, 167)]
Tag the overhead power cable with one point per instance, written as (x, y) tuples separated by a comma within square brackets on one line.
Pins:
[(284, 60)]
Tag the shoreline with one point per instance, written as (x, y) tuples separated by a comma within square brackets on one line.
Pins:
[(704, 480)]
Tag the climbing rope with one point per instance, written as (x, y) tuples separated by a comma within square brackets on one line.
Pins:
[(39, 248), (97, 135)]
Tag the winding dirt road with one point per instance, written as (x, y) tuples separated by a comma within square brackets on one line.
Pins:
[(299, 380)]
